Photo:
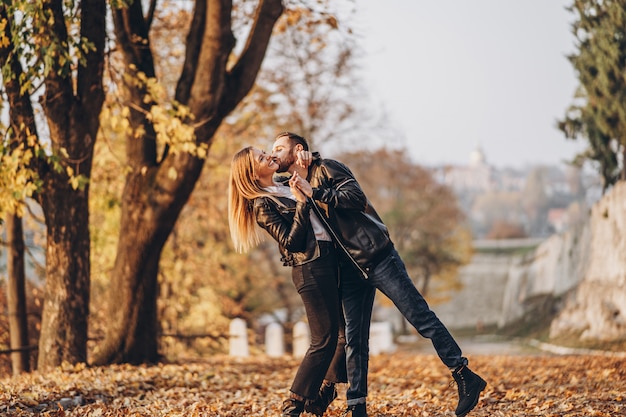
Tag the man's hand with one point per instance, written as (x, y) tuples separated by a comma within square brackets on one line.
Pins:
[(304, 158)]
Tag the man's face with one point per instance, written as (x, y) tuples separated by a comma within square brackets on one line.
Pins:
[(283, 154)]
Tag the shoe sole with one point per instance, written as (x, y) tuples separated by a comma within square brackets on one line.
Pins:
[(483, 385)]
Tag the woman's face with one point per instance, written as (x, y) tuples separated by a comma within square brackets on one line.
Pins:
[(265, 165)]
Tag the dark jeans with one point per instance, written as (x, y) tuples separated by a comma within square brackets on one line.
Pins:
[(391, 278), (317, 284)]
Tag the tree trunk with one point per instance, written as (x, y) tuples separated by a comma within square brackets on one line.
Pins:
[(71, 97), (16, 295), (66, 299), (132, 333)]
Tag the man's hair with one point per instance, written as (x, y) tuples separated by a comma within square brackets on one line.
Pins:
[(295, 139)]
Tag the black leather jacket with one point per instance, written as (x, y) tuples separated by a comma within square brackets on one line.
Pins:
[(289, 223), (352, 220)]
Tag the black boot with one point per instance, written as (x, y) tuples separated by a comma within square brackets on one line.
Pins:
[(470, 385), (325, 396), (356, 410), (292, 407)]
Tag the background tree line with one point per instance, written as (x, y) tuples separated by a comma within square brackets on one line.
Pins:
[(597, 114)]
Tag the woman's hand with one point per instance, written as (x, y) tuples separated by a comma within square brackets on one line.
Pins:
[(296, 181), (298, 194), (295, 190)]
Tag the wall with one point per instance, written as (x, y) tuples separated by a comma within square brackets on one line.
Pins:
[(479, 303)]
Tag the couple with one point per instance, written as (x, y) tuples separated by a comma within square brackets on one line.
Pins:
[(340, 253)]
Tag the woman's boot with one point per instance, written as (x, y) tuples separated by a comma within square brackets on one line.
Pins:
[(325, 396), (292, 407)]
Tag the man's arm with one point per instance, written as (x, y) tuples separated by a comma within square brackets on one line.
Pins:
[(337, 186)]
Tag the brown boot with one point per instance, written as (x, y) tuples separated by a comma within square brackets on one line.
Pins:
[(292, 407), (325, 396)]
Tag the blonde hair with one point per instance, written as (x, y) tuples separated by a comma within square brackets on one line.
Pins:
[(243, 188)]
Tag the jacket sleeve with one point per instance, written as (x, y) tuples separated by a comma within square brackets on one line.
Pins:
[(292, 237), (338, 188)]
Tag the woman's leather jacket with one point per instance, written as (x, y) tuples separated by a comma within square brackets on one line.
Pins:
[(352, 220), (289, 223)]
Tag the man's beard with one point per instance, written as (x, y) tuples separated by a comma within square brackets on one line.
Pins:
[(284, 165)]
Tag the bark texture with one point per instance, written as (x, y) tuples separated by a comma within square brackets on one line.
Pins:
[(16, 296)]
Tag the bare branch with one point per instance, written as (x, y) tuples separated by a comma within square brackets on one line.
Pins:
[(241, 78), (194, 45)]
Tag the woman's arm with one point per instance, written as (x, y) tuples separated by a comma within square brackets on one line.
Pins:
[(291, 236)]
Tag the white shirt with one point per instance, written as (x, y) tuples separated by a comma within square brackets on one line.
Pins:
[(318, 227)]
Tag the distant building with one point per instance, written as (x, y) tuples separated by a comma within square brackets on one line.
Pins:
[(501, 186), (479, 177)]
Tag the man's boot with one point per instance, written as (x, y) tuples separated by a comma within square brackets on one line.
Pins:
[(325, 396), (292, 407), (470, 385), (356, 410)]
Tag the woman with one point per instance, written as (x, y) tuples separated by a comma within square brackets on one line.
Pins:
[(283, 211)]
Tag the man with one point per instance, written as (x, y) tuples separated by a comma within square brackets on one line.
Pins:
[(370, 262)]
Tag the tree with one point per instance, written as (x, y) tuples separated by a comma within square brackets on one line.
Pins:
[(53, 53), (199, 242), (598, 114), (311, 80), (20, 296), (16, 295), (160, 179)]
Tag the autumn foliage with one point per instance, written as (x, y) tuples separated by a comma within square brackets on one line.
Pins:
[(401, 384)]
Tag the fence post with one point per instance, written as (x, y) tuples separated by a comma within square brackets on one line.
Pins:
[(301, 339), (381, 338), (274, 340), (238, 342)]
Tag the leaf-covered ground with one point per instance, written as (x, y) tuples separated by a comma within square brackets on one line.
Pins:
[(401, 384)]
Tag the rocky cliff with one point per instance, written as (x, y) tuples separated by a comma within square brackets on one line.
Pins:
[(596, 309), (539, 280)]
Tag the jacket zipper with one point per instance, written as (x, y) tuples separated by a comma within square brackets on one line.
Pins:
[(322, 217)]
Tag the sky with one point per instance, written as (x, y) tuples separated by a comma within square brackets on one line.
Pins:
[(454, 75)]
